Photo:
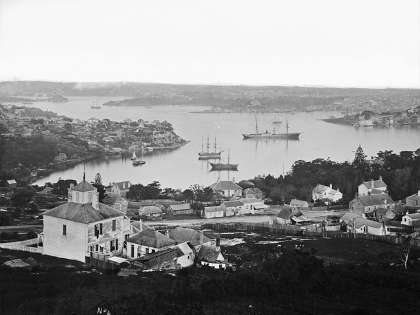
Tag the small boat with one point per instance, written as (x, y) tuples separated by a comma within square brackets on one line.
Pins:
[(224, 166), (138, 161), (207, 155)]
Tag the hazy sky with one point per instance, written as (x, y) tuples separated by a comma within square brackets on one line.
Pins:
[(294, 42)]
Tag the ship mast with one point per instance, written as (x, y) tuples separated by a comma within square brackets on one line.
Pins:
[(202, 144), (208, 144), (215, 147), (256, 124)]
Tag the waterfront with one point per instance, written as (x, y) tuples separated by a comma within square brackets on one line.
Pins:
[(181, 168)]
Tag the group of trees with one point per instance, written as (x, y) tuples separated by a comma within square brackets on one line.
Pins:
[(401, 172)]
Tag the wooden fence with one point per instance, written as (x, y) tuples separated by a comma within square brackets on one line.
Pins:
[(24, 246), (293, 230)]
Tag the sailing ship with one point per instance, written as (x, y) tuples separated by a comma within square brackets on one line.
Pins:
[(271, 134), (224, 166), (207, 155), (138, 161)]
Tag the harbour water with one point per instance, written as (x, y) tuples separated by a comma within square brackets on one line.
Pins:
[(181, 168)]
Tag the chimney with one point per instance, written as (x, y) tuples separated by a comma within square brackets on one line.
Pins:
[(331, 186), (380, 178)]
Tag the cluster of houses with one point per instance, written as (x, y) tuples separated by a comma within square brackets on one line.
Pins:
[(370, 119), (83, 229), (372, 211)]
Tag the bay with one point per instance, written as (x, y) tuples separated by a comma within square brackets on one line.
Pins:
[(181, 168)]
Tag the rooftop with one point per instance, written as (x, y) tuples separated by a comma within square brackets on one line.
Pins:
[(151, 238), (180, 235), (84, 186), (83, 213), (372, 200), (371, 184), (225, 185)]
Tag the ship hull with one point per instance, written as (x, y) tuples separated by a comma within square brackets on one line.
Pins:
[(223, 167), (288, 136)]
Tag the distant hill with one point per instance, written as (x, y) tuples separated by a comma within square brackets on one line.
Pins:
[(226, 97)]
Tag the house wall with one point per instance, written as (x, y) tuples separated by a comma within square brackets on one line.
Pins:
[(213, 214), (375, 231), (73, 245), (185, 260), (140, 250)]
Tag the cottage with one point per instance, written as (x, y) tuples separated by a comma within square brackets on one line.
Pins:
[(147, 241), (212, 256), (11, 183), (233, 207), (396, 227), (372, 187), (299, 204), (150, 212), (84, 227), (121, 188), (191, 236), (213, 212), (358, 224), (180, 209), (326, 193), (413, 200), (227, 189), (371, 205), (410, 219), (253, 192)]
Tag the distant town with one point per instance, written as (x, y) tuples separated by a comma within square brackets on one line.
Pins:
[(65, 142)]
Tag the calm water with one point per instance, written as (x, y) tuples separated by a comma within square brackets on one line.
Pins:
[(181, 168)]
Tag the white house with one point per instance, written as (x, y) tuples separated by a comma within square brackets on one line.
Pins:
[(413, 200), (147, 241), (372, 187), (212, 256), (357, 224), (180, 209), (83, 226), (410, 219), (232, 207), (298, 204), (227, 189), (326, 193), (121, 188), (213, 212)]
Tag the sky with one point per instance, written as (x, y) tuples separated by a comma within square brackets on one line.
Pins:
[(357, 43)]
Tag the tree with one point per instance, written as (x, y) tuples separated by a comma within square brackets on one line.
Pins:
[(22, 197), (359, 158), (405, 250)]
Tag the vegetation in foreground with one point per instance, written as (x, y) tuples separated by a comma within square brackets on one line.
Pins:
[(279, 282)]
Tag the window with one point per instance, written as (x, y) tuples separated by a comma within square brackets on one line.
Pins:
[(116, 244), (101, 249), (132, 251), (114, 225), (100, 228), (111, 245), (64, 229), (96, 248)]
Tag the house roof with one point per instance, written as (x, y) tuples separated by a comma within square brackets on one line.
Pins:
[(250, 200), (182, 206), (233, 203), (11, 182), (84, 186), (414, 216), (146, 210), (225, 185), (373, 200), (180, 235), (209, 253), (350, 217), (151, 238), (123, 185), (83, 213), (414, 197), (375, 183)]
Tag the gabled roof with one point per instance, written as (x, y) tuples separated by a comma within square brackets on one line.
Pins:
[(371, 184), (250, 200), (413, 216), (209, 253), (298, 203), (83, 213), (349, 218), (84, 186), (11, 181), (225, 185), (151, 238), (414, 197), (180, 235)]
